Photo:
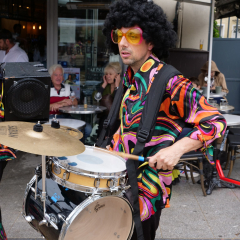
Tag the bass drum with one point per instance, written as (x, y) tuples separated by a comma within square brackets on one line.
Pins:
[(77, 215)]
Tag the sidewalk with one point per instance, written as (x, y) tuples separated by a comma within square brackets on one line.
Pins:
[(191, 215)]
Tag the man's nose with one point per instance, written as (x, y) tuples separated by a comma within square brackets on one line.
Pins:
[(123, 42)]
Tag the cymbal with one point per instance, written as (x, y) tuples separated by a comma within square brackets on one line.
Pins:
[(50, 142)]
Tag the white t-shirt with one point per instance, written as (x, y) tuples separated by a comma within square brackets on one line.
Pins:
[(15, 54)]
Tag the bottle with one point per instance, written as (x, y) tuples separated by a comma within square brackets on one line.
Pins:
[(85, 102)]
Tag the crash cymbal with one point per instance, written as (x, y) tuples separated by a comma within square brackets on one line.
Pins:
[(50, 142)]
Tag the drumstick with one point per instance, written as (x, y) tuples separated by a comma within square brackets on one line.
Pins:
[(126, 155), (130, 156)]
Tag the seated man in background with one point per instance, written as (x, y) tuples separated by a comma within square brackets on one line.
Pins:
[(60, 96), (60, 92), (217, 78)]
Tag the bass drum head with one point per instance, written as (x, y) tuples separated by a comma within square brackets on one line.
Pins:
[(106, 218)]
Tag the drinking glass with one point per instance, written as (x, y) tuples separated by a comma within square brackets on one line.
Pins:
[(72, 97), (201, 44), (98, 97)]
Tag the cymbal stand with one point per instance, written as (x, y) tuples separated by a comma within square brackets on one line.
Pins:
[(46, 218), (43, 197)]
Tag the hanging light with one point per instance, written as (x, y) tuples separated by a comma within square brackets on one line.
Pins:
[(23, 27), (34, 27), (40, 27)]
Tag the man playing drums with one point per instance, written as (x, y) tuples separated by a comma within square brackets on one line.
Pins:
[(141, 34)]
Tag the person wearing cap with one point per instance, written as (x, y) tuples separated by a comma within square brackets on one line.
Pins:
[(217, 78), (10, 51)]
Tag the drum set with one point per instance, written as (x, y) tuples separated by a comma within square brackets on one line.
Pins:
[(77, 191)]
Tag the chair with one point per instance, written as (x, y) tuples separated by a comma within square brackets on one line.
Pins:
[(233, 145), (197, 157)]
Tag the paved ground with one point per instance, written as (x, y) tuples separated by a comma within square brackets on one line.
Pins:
[(191, 215)]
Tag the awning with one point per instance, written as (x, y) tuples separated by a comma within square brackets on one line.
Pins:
[(227, 8)]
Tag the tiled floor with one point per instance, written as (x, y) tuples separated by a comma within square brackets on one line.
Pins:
[(191, 215)]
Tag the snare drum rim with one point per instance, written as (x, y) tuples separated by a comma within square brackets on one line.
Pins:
[(71, 217), (87, 173), (81, 188)]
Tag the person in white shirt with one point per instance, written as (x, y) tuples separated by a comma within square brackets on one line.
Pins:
[(10, 51)]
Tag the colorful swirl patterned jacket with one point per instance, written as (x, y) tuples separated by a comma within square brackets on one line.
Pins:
[(182, 104)]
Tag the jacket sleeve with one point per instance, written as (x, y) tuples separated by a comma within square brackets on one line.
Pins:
[(189, 104), (223, 83)]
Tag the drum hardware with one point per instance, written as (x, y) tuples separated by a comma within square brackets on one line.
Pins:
[(66, 175), (111, 183), (62, 217), (37, 174), (97, 182), (52, 219), (29, 218)]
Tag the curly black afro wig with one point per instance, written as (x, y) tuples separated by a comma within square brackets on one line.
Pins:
[(149, 17)]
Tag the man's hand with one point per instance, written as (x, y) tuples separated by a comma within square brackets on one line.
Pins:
[(66, 102), (168, 157), (55, 106)]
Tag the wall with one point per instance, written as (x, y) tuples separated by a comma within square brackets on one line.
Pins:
[(195, 22)]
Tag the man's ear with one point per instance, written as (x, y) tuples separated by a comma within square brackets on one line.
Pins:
[(7, 41), (150, 46)]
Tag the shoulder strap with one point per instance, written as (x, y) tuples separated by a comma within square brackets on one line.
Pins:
[(146, 126), (152, 105), (112, 116)]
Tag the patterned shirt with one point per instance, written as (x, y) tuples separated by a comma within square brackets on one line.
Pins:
[(182, 104)]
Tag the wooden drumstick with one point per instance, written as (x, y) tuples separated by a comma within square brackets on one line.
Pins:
[(130, 156), (126, 155)]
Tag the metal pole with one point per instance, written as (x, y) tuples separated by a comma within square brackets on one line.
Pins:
[(210, 49), (228, 27), (44, 184)]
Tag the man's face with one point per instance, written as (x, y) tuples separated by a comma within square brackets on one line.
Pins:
[(3, 44), (134, 55), (57, 77)]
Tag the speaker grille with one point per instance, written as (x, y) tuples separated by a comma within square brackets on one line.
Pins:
[(27, 98)]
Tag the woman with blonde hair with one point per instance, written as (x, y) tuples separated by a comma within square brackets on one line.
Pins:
[(111, 81)]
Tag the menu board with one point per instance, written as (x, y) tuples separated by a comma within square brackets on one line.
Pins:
[(94, 73)]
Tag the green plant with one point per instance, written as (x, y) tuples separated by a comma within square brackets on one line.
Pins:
[(216, 33)]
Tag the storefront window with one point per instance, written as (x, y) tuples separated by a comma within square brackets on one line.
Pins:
[(81, 43)]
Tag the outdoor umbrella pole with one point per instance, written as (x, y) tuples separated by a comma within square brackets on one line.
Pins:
[(210, 49)]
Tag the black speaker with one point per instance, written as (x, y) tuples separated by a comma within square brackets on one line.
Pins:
[(26, 94)]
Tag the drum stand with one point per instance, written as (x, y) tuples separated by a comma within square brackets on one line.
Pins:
[(46, 218)]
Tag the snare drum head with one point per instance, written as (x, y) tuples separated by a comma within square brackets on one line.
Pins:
[(106, 218), (94, 161)]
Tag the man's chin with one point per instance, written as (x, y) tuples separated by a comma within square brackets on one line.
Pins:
[(127, 61)]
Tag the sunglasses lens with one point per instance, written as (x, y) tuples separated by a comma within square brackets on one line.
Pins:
[(134, 36), (116, 36)]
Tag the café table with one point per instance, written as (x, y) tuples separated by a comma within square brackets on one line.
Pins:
[(232, 120), (226, 109), (68, 122), (79, 109), (215, 95)]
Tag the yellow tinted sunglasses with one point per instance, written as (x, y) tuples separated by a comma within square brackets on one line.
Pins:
[(133, 35)]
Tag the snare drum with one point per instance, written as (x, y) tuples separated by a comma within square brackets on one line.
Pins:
[(77, 215), (93, 170)]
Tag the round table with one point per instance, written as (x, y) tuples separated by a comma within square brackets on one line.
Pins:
[(216, 95), (226, 109), (232, 120), (79, 109), (68, 122)]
